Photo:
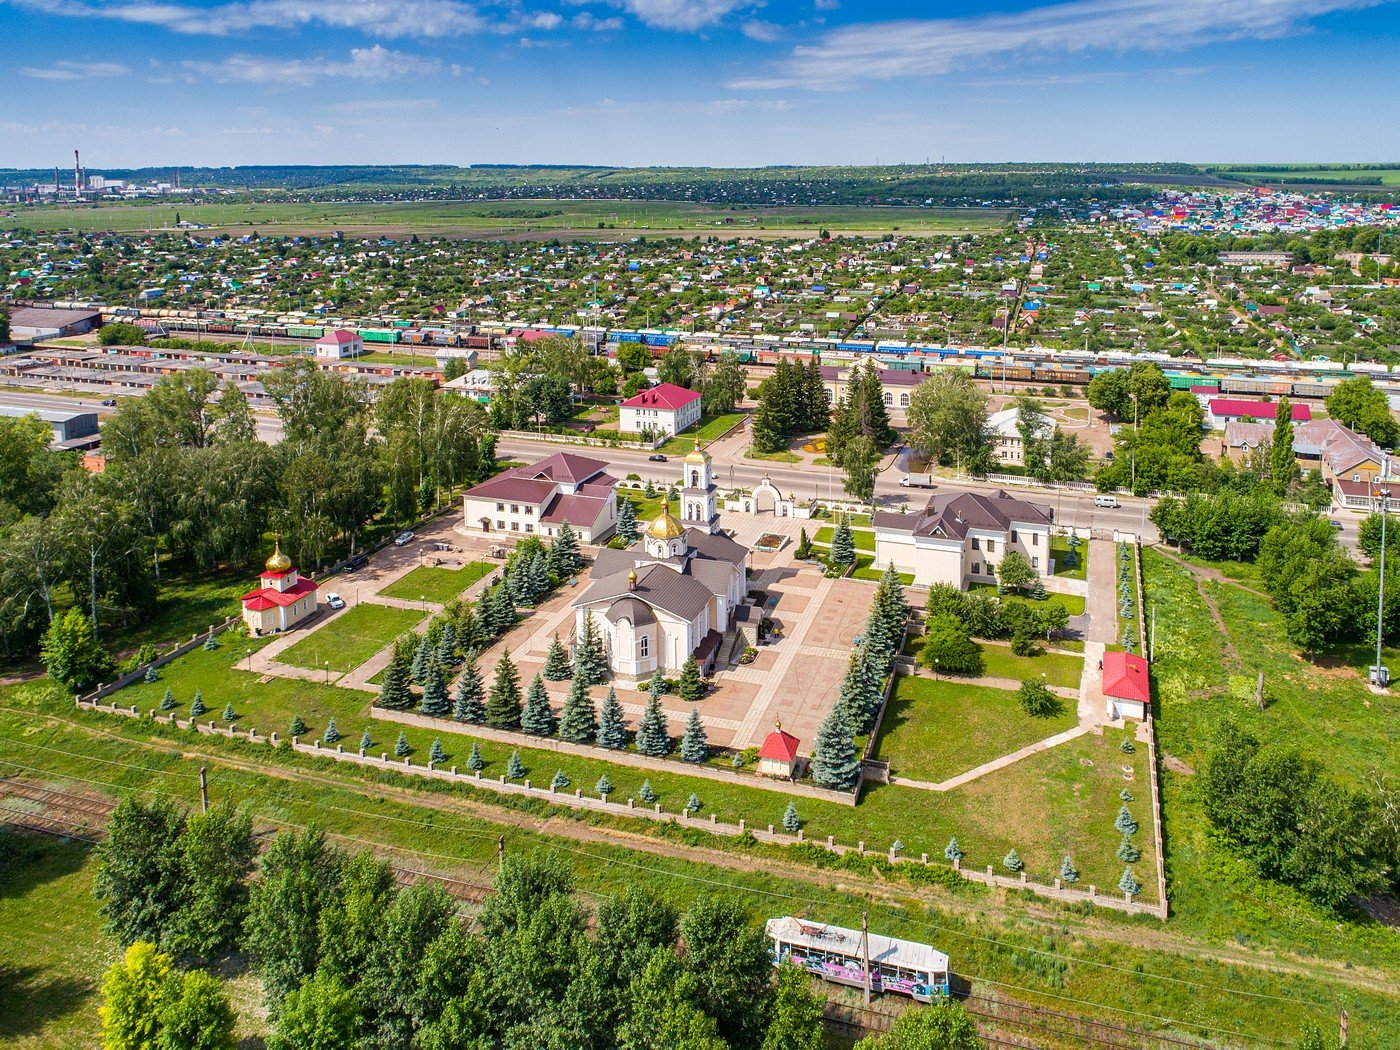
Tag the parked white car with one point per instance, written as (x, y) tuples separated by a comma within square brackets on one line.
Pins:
[(403, 539), (334, 600)]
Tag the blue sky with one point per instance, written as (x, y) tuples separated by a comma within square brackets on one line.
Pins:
[(723, 82)]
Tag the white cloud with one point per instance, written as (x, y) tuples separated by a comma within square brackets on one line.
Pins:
[(923, 47), (75, 71), (388, 19), (384, 105), (764, 32), (686, 15), (587, 20), (364, 63)]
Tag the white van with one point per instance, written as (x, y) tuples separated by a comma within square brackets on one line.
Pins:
[(1105, 501)]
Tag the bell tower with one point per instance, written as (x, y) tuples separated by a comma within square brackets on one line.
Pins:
[(699, 498)]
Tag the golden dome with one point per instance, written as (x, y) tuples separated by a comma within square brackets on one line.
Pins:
[(699, 456), (279, 562), (665, 526)]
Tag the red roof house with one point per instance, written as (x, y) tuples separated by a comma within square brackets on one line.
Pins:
[(778, 755), (1126, 691), (1224, 410), (667, 409)]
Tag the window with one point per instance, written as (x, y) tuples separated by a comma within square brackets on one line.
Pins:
[(500, 508), (1035, 563), (889, 398), (529, 511), (976, 544), (1035, 539), (1013, 535), (904, 400), (977, 568), (644, 647), (991, 546), (529, 527), (515, 508), (515, 526), (500, 524)]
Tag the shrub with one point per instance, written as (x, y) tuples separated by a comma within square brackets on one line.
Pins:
[(949, 649)]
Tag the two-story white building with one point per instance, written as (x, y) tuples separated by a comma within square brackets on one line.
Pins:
[(1005, 429), (960, 537), (538, 499), (664, 409)]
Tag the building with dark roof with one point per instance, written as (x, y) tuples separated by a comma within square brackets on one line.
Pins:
[(960, 537), (672, 594), (663, 409), (538, 499), (45, 322)]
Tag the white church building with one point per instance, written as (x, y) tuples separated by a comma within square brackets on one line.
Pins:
[(673, 593)]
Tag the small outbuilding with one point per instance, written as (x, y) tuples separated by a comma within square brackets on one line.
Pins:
[(341, 343), (778, 755), (1125, 686), (282, 599)]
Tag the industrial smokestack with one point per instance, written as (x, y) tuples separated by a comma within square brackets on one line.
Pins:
[(77, 175)]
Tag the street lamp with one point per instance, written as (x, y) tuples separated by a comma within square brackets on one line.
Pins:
[(1379, 675), (327, 665), (1133, 452)]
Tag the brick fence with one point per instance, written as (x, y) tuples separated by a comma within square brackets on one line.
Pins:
[(578, 800), (138, 673)]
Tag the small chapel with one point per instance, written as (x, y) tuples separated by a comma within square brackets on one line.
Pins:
[(674, 592), (282, 599)]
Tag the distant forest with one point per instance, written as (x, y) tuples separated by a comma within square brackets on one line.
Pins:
[(935, 185)]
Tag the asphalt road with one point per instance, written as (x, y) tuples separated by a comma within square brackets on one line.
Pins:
[(269, 428)]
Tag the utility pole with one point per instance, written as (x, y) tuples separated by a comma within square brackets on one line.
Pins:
[(204, 789), (500, 852), (1378, 676), (865, 955)]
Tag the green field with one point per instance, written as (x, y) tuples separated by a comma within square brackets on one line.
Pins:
[(933, 730), (1388, 176), (487, 219), (435, 584), (711, 427), (350, 639)]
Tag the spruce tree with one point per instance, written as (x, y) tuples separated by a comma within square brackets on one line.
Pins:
[(953, 851), (692, 804), (152, 675), (469, 706), (834, 763), (422, 660), (503, 703), (556, 664), (230, 714), (474, 760), (401, 747), (626, 520), (537, 719), (515, 769), (604, 786), (1012, 861), (447, 646), (560, 781), (612, 728), (646, 794), (803, 550), (540, 583), (298, 727), (891, 601), (1069, 874), (366, 741), (843, 546), (694, 747), (792, 823), (1124, 822), (873, 411), (563, 552), (197, 708), (589, 664), (210, 644), (394, 693), (332, 734), (652, 738), (690, 687), (167, 702), (1127, 852), (578, 725), (1128, 884), (436, 755), (435, 702)]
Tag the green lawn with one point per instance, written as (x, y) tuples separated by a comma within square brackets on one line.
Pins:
[(865, 570), (710, 428), (933, 730), (864, 541), (1057, 668), (1074, 604), (773, 457), (436, 584), (350, 639), (1059, 548), (1325, 711)]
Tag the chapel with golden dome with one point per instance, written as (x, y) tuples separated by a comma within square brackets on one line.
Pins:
[(282, 598)]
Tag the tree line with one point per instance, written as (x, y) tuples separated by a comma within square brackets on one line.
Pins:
[(347, 957), (188, 483)]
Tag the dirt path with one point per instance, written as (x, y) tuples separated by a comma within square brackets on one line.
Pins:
[(873, 887), (1199, 573)]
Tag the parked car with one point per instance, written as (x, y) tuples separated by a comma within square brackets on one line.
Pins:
[(1336, 524), (109, 402), (657, 457), (403, 539), (359, 561), (1105, 501), (335, 601)]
